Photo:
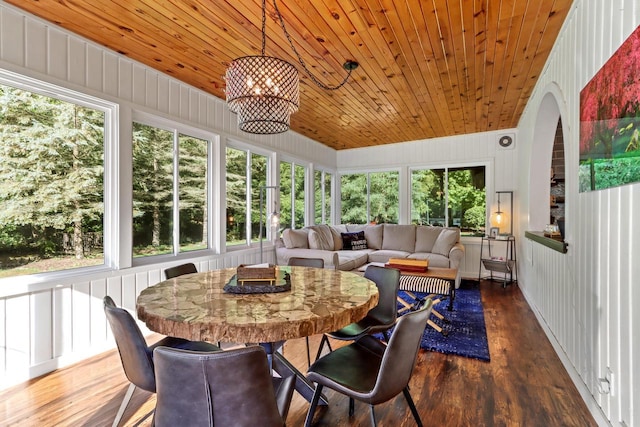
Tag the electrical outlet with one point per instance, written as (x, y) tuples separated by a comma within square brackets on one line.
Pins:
[(609, 377)]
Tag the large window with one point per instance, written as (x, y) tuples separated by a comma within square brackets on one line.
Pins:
[(370, 198), (246, 173), (450, 197), (292, 195), (169, 191), (52, 150), (322, 196)]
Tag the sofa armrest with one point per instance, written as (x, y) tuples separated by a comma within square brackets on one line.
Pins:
[(455, 255), (455, 259)]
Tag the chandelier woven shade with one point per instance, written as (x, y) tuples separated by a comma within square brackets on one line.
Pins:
[(264, 92)]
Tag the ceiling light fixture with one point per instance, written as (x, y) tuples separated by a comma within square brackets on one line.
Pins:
[(264, 90)]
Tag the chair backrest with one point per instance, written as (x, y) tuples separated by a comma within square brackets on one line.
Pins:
[(179, 270), (306, 262), (400, 355), (223, 388), (135, 354), (387, 280)]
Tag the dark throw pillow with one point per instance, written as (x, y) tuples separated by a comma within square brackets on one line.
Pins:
[(353, 241)]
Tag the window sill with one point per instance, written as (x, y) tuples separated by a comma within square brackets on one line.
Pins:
[(539, 237)]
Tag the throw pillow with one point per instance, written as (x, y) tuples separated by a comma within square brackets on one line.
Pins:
[(319, 240), (295, 239), (353, 241), (445, 241)]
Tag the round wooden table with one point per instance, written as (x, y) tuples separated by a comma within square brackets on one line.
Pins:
[(195, 307)]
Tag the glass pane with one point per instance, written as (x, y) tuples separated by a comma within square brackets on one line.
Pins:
[(51, 184), (192, 173), (317, 197), (285, 195), (299, 198), (467, 200), (328, 178), (152, 191), (428, 197), (384, 204), (353, 188), (236, 180), (258, 179)]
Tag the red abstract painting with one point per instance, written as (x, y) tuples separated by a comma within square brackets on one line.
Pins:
[(610, 121)]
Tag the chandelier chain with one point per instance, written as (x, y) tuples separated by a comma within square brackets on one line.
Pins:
[(264, 25), (300, 60)]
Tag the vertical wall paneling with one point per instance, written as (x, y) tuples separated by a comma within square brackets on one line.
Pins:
[(18, 350), (94, 67), (12, 43), (36, 43), (40, 312), (3, 336), (81, 312), (77, 61), (58, 54), (585, 299)]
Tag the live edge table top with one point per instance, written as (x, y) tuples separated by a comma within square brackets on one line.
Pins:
[(195, 307)]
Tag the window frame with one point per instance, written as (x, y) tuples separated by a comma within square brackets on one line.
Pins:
[(270, 199), (213, 228), (308, 201), (488, 188), (111, 220), (332, 193)]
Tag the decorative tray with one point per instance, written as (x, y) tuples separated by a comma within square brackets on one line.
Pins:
[(282, 283)]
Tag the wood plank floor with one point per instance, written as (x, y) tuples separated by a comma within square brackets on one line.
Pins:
[(524, 384)]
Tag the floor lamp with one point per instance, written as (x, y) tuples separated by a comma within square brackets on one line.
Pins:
[(274, 219)]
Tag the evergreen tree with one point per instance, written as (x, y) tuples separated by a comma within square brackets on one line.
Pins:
[(51, 168)]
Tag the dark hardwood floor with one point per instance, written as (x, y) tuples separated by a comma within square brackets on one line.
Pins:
[(524, 384)]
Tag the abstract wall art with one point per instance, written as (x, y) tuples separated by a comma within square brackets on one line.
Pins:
[(610, 121)]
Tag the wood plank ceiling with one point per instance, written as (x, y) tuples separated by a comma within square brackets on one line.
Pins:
[(428, 68)]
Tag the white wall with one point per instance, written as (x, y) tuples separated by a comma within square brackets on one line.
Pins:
[(54, 322), (585, 299)]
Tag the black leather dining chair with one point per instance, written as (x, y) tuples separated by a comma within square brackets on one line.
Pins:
[(136, 356), (307, 262), (224, 388), (370, 371), (381, 318), (179, 270)]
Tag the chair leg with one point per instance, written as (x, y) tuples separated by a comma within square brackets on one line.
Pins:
[(412, 406), (308, 353), (373, 416), (323, 341), (351, 407), (123, 405), (314, 404)]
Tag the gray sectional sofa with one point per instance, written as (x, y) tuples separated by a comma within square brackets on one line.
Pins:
[(352, 247)]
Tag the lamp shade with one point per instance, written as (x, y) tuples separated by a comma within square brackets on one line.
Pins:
[(500, 220), (264, 92)]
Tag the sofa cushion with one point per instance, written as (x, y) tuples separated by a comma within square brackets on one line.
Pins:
[(320, 237), (445, 241), (351, 260), (353, 241), (337, 237), (426, 237), (384, 255), (399, 237), (295, 238), (373, 234)]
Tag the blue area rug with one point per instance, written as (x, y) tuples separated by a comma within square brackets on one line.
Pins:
[(467, 331)]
